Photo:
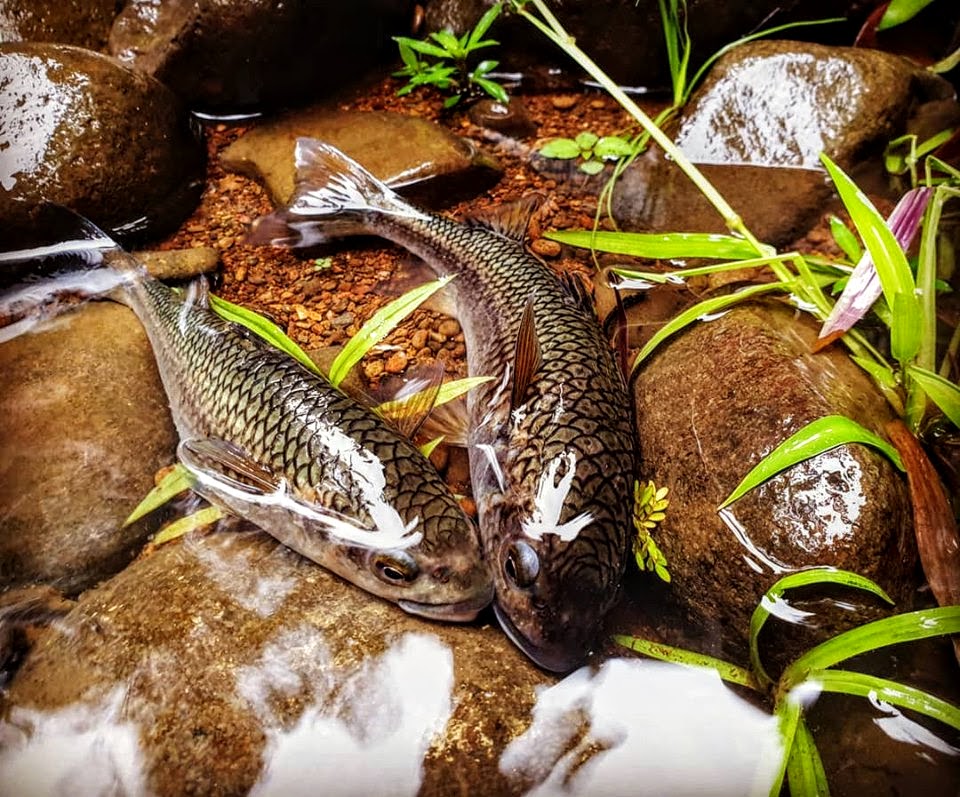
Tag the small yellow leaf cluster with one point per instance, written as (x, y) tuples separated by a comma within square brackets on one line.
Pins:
[(649, 508)]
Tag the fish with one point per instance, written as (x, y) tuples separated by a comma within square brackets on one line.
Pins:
[(551, 439), (268, 440)]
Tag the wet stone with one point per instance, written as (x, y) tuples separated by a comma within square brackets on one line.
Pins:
[(713, 401), (81, 130), (179, 264), (402, 150), (84, 425), (84, 23), (511, 118)]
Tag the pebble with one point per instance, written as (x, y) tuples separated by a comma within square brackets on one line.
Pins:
[(545, 247), (564, 102), (373, 369), (342, 320), (419, 339), (449, 328), (396, 363)]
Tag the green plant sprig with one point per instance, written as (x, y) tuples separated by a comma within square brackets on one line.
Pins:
[(593, 149)]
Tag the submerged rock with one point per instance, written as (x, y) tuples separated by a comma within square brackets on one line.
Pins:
[(761, 148), (710, 404), (81, 130), (402, 150), (248, 54), (85, 23), (219, 661), (84, 426)]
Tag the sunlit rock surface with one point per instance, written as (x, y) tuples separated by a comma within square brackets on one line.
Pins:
[(85, 23), (397, 148), (710, 404), (248, 54), (84, 426), (757, 127), (226, 664), (81, 130)]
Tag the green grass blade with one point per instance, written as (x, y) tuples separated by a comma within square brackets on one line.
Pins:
[(908, 627), (448, 392), (900, 11), (379, 326), (942, 392), (174, 483), (679, 275), (888, 258), (260, 326), (701, 309), (805, 773), (870, 686), (660, 246), (813, 439), (787, 712), (199, 519), (656, 650), (427, 448), (805, 578)]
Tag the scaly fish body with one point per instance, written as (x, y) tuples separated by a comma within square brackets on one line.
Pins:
[(551, 440), (280, 446)]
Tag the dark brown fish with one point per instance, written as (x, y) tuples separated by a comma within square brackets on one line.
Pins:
[(551, 438)]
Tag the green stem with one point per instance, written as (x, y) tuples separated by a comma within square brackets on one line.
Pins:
[(556, 33)]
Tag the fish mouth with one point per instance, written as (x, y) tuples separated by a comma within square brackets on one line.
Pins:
[(460, 612), (549, 657)]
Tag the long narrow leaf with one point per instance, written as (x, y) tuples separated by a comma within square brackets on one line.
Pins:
[(656, 650), (702, 309), (787, 712), (805, 578), (678, 276), (908, 627), (259, 325), (805, 772), (199, 519), (870, 686), (173, 483), (942, 392), (482, 26), (900, 11), (813, 439), (379, 326), (448, 392), (662, 246)]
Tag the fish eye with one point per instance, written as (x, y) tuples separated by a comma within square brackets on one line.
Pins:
[(396, 568), (521, 564)]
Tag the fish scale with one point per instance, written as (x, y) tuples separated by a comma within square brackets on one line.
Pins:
[(556, 541)]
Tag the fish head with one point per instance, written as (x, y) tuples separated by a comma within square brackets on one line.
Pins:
[(551, 594)]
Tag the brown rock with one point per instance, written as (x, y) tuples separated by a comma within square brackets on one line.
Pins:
[(710, 404), (84, 23), (179, 264), (396, 363), (545, 247)]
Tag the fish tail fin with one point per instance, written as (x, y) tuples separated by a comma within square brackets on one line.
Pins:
[(334, 197)]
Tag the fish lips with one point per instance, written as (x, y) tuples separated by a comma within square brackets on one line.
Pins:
[(554, 657), (460, 612)]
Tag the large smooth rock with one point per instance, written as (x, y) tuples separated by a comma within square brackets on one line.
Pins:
[(79, 129), (399, 149), (85, 23), (249, 54), (760, 147), (226, 664), (710, 404), (84, 426)]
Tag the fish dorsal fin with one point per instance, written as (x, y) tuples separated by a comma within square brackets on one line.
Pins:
[(578, 290), (509, 220), (527, 357), (225, 462), (198, 294), (414, 402)]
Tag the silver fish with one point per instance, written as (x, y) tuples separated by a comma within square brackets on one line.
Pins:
[(280, 446), (551, 440)]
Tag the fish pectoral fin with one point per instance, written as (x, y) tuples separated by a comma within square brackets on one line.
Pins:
[(410, 406), (450, 421), (510, 219), (219, 461), (527, 356)]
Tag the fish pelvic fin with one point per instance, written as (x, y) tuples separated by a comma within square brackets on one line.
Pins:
[(334, 197)]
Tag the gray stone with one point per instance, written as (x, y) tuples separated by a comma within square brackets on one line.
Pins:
[(84, 426), (179, 264), (711, 403), (81, 130), (399, 149), (247, 54)]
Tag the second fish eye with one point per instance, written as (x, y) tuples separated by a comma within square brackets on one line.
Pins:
[(396, 568), (521, 564)]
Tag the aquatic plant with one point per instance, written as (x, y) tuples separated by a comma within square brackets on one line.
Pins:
[(815, 670), (649, 509), (591, 148), (446, 65)]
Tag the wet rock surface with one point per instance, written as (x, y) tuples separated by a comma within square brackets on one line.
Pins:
[(79, 129), (85, 23), (710, 404), (400, 149), (243, 56), (223, 655), (84, 426)]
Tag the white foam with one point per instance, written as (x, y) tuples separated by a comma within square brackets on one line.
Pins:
[(644, 728), (80, 749), (372, 735)]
